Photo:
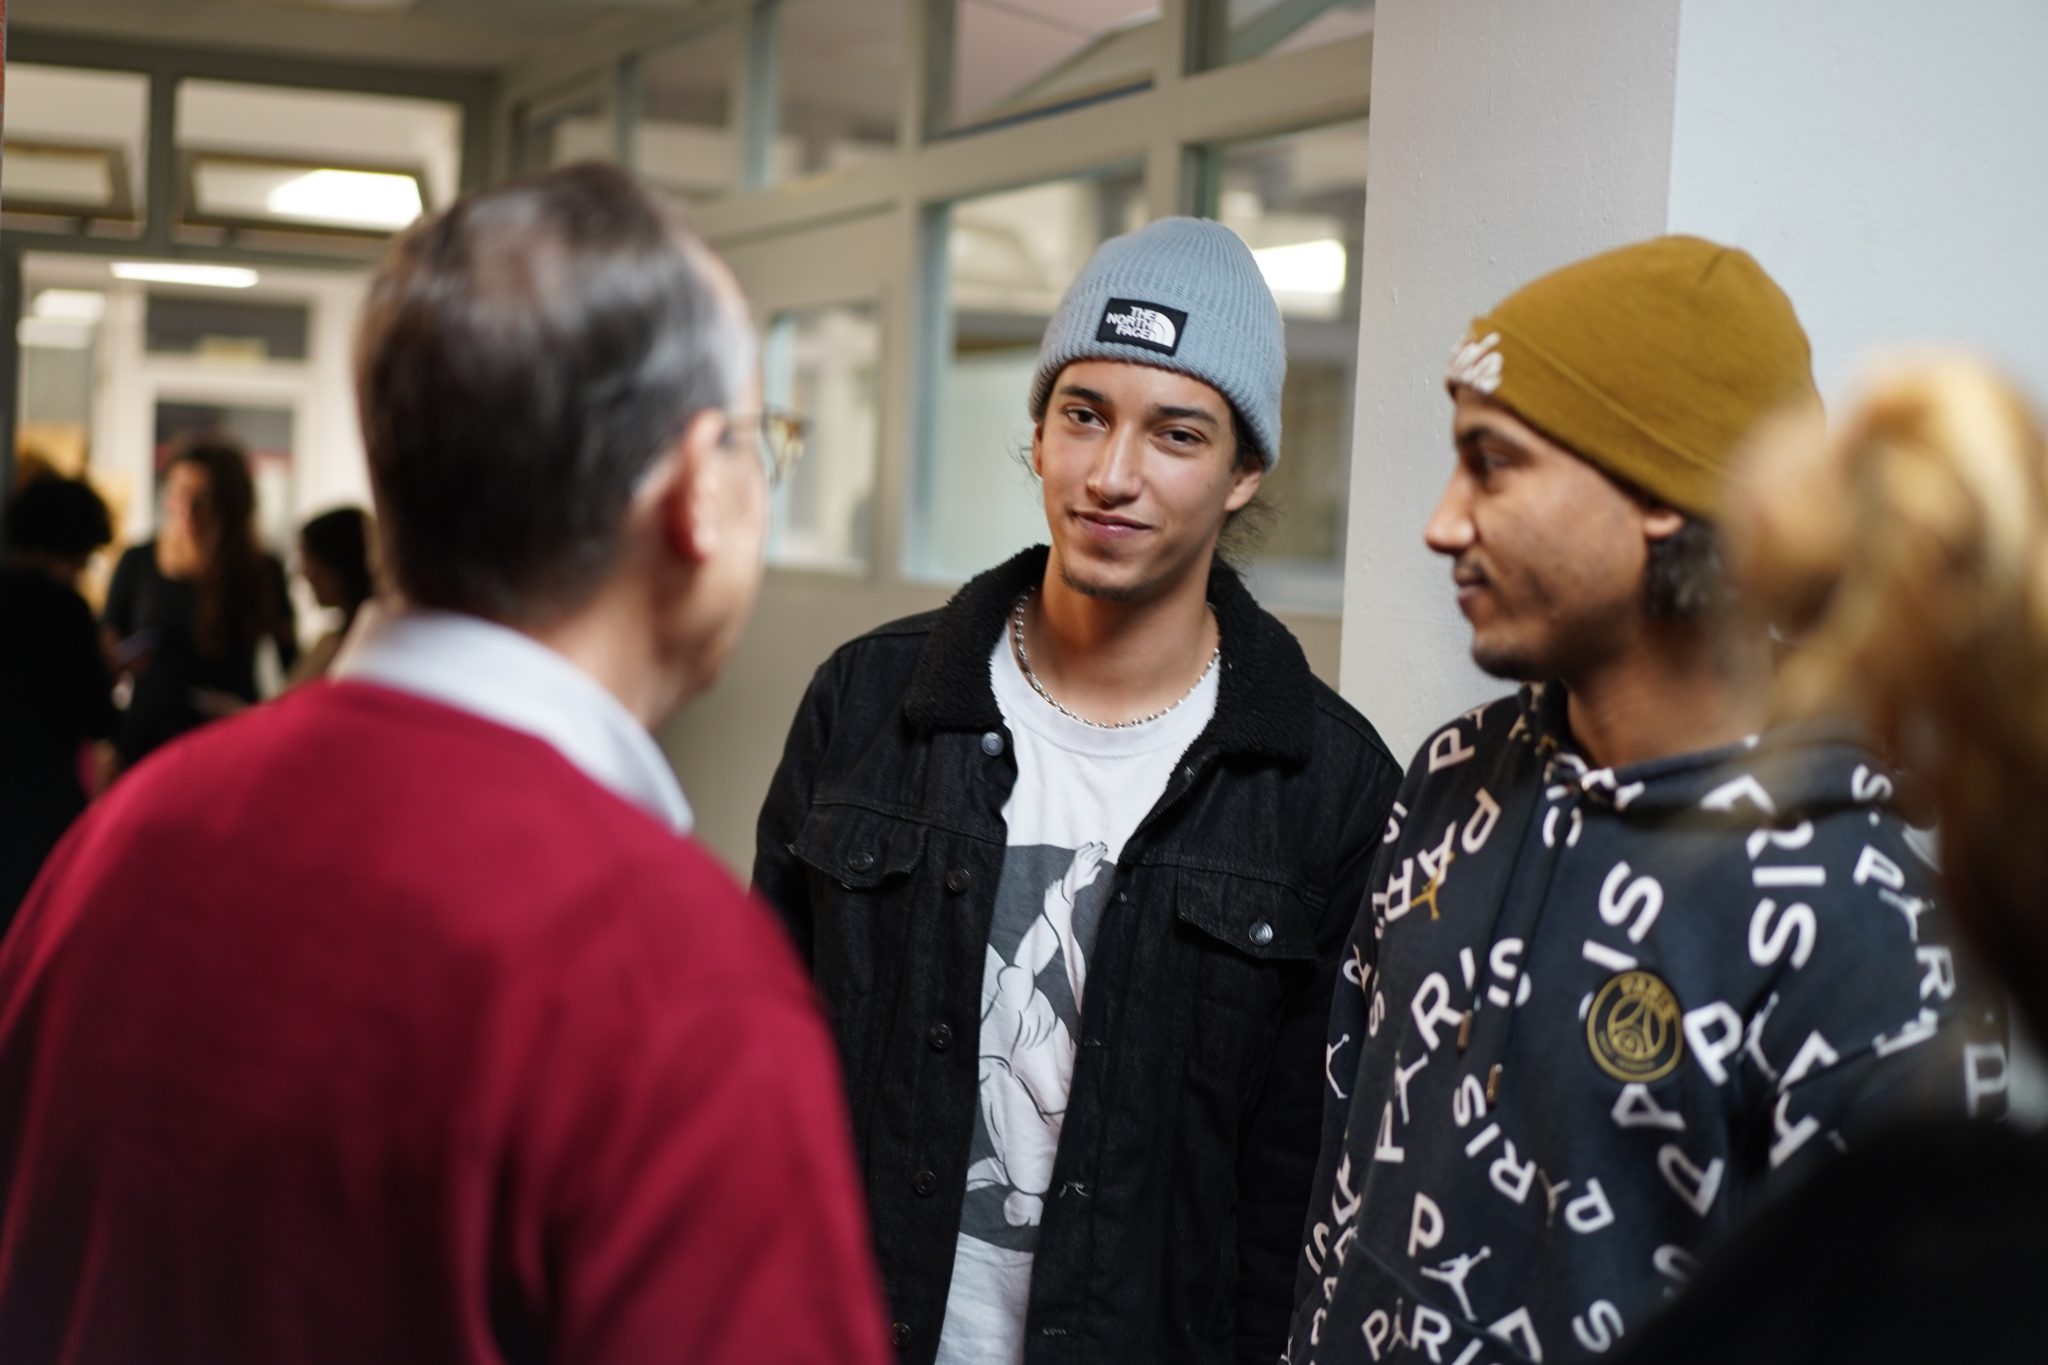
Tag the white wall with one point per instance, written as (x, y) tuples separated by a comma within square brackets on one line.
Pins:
[(1506, 139), (331, 467), (1883, 159)]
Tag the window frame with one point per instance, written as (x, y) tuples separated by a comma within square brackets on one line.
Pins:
[(1167, 127), (167, 68)]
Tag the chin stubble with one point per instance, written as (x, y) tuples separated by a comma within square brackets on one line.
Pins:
[(1503, 665), (1135, 592)]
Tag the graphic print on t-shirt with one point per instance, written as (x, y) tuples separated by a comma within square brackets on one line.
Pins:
[(1081, 792), (1047, 907)]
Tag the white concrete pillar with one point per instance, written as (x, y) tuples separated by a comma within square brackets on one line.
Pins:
[(1508, 137), (331, 467)]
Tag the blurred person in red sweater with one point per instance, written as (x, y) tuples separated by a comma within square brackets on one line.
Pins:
[(399, 1021)]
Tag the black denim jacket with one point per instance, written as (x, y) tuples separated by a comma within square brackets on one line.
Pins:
[(1190, 1135)]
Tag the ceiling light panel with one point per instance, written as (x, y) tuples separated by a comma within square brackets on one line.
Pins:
[(175, 272)]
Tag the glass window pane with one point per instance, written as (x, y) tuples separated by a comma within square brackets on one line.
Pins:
[(684, 143), (1246, 30), (266, 158), (1009, 258), (838, 77), (76, 150), (225, 329), (1299, 201), (59, 336), (820, 364), (1013, 57), (61, 351)]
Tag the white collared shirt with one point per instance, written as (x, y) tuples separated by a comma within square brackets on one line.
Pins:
[(511, 679)]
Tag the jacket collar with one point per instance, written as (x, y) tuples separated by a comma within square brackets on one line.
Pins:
[(1265, 700)]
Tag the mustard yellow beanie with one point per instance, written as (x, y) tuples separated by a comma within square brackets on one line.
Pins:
[(1652, 361)]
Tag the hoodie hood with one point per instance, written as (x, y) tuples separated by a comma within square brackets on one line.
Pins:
[(1796, 772)]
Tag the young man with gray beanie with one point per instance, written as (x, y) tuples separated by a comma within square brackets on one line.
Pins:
[(1073, 858), (1631, 960)]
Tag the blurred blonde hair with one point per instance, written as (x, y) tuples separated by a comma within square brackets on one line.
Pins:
[(1906, 557)]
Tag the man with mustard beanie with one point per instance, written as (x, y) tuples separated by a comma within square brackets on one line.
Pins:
[(1629, 961), (1073, 859)]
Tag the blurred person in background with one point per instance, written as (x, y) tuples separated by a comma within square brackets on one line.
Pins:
[(336, 556), (187, 610), (56, 697), (1906, 559), (399, 1020)]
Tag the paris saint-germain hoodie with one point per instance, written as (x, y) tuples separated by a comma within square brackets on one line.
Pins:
[(1590, 1018)]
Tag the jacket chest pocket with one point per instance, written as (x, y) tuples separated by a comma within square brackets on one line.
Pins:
[(859, 849), (862, 866), (1253, 945)]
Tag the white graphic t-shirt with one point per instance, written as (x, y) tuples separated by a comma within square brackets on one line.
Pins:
[(1081, 791)]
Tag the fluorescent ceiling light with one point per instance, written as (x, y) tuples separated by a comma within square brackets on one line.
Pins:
[(1303, 267), (168, 272), (371, 199), (53, 334), (69, 305)]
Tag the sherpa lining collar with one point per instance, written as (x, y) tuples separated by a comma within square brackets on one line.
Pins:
[(1264, 701)]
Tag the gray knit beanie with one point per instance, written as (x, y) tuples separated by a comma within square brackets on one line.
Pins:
[(1182, 294)]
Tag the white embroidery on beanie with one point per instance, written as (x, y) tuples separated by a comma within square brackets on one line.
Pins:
[(1477, 365), (1145, 324)]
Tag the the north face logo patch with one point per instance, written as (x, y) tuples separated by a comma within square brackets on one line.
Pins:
[(1153, 326)]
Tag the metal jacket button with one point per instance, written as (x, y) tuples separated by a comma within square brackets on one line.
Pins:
[(939, 1036), (899, 1333), (1261, 933), (958, 880), (924, 1184), (861, 862), (991, 744)]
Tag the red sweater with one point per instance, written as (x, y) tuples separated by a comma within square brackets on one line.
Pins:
[(364, 1030)]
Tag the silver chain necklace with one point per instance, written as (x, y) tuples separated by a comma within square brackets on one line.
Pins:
[(1024, 663)]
